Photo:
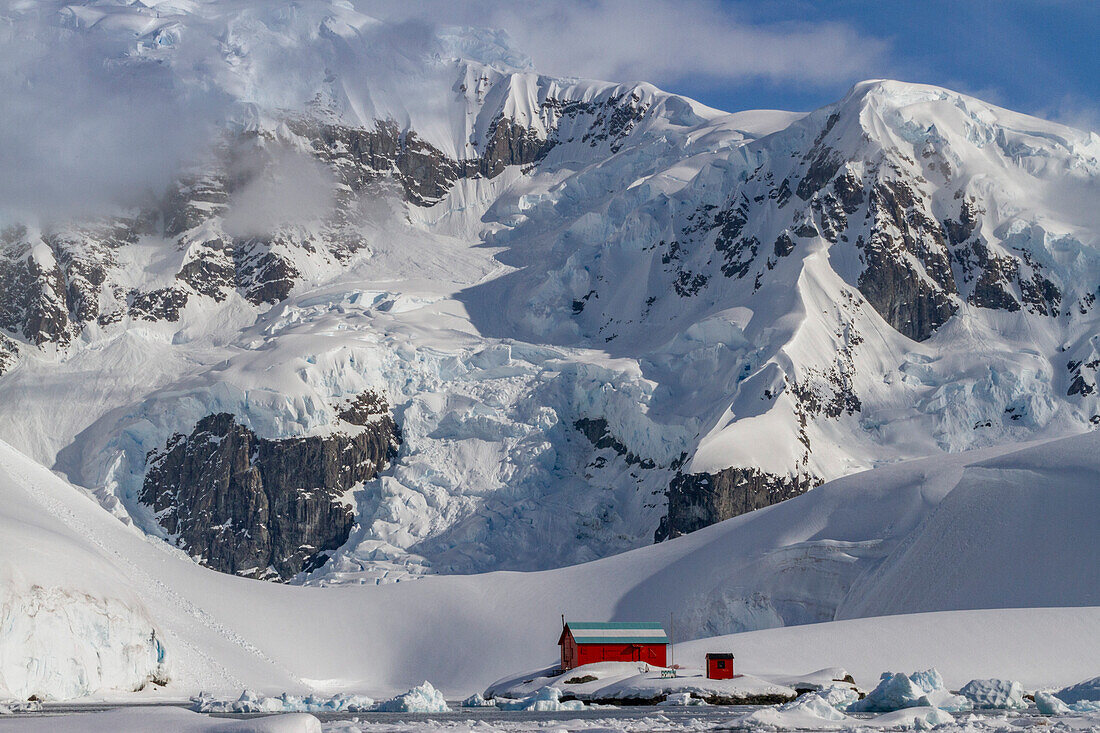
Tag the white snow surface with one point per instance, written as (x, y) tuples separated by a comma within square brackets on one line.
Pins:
[(223, 634), (166, 719)]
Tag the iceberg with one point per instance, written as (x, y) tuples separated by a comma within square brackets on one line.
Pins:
[(421, 699), (994, 694), (1048, 704)]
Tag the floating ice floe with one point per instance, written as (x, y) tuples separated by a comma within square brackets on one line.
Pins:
[(8, 707), (994, 694), (548, 699), (477, 701), (251, 702), (681, 699), (421, 699)]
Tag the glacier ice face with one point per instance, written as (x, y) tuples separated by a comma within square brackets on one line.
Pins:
[(60, 644)]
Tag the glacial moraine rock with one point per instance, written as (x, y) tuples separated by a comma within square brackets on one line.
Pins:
[(257, 507), (698, 500)]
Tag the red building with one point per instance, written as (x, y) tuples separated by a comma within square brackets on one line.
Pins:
[(585, 642), (719, 666)]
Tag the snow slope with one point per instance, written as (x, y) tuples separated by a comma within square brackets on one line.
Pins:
[(813, 558)]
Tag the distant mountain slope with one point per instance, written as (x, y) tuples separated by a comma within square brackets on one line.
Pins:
[(588, 314), (870, 543)]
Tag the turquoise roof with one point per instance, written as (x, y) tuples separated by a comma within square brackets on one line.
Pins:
[(617, 632)]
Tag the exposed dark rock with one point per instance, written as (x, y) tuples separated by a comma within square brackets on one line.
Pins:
[(959, 231), (164, 304), (367, 408), (914, 305), (192, 201), (600, 435), (1083, 379), (9, 352), (822, 168), (688, 284), (33, 301), (263, 275), (697, 500), (784, 245), (257, 507)]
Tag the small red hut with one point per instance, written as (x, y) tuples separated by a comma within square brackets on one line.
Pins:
[(585, 642), (719, 666)]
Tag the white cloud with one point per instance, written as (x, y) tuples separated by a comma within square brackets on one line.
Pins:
[(284, 189), (661, 41)]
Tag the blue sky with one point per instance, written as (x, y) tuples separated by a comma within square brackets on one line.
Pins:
[(1037, 57)]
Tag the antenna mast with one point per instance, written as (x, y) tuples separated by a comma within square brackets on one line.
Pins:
[(672, 641)]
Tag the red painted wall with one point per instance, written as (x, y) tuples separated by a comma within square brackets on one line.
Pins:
[(574, 655), (715, 672)]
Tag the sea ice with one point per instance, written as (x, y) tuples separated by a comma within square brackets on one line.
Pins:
[(548, 699), (681, 699)]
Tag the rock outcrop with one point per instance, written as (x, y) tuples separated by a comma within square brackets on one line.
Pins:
[(264, 508), (697, 500)]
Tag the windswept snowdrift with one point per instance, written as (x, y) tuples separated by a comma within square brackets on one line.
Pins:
[(810, 559)]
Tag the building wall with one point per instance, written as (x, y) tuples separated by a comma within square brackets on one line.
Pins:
[(654, 654)]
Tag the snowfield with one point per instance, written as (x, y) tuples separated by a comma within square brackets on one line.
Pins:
[(224, 634)]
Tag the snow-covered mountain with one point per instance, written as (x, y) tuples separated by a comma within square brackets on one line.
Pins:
[(411, 307)]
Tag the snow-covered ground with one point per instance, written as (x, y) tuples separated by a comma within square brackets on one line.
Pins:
[(592, 721), (225, 634)]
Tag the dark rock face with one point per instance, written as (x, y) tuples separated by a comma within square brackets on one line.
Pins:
[(262, 508), (598, 433), (9, 352), (697, 500), (908, 302)]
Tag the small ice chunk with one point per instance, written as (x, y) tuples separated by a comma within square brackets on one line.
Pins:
[(477, 701), (548, 699), (681, 699), (1048, 704), (994, 694), (1086, 706), (816, 704)]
